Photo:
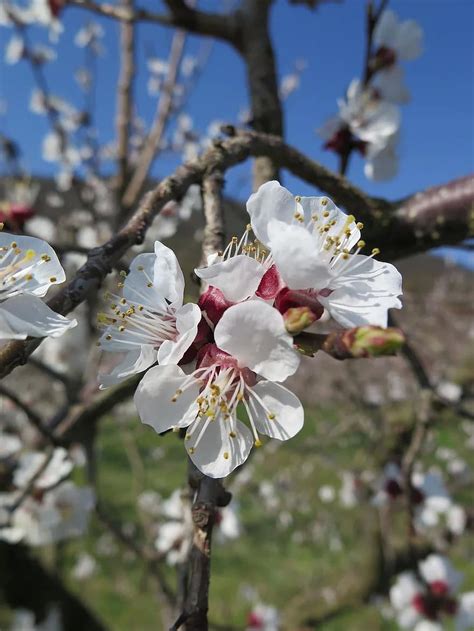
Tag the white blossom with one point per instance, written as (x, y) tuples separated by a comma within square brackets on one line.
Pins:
[(28, 268)]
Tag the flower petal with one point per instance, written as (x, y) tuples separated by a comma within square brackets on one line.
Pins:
[(271, 201), (386, 29), (254, 333), (139, 285), (364, 295), (390, 82), (187, 321), (283, 404), (133, 362), (154, 399), (168, 278), (218, 454), (238, 278), (295, 254), (409, 40), (28, 315)]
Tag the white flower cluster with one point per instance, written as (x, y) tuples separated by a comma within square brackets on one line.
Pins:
[(236, 345), (429, 599), (433, 506), (369, 118), (40, 506)]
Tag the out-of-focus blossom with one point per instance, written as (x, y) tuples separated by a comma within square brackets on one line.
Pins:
[(263, 618), (429, 603), (395, 41)]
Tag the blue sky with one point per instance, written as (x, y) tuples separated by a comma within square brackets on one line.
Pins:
[(437, 131)]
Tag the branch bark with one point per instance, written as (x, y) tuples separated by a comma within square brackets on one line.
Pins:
[(125, 99)]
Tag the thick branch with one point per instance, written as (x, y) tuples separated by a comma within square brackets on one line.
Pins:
[(255, 46), (26, 584), (211, 24), (210, 494), (214, 231), (208, 24), (395, 228)]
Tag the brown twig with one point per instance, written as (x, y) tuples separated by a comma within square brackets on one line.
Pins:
[(125, 98), (163, 112)]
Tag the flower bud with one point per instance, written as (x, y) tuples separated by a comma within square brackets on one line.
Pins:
[(364, 341), (372, 341), (298, 318)]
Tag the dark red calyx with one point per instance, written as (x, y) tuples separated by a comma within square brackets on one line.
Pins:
[(291, 298), (270, 284), (214, 304)]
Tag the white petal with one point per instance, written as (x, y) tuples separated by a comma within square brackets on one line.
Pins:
[(169, 279), (405, 588), (154, 399), (217, 454), (465, 616), (386, 29), (382, 164), (271, 201), (427, 625), (187, 320), (254, 333), (133, 362), (390, 82), (238, 278), (287, 408), (44, 273), (28, 315), (409, 40), (140, 286), (380, 121), (296, 257), (438, 568), (364, 296)]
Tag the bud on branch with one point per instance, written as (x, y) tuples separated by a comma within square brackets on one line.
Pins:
[(363, 341)]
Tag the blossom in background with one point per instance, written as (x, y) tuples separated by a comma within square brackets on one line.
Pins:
[(149, 322), (10, 444), (48, 516), (90, 36), (84, 568), (368, 124), (24, 620), (53, 470), (251, 342), (432, 503), (14, 50), (28, 268), (427, 602), (263, 618), (395, 41), (19, 204)]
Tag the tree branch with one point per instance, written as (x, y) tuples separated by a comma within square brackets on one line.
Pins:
[(155, 136), (207, 24), (125, 99), (396, 226)]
